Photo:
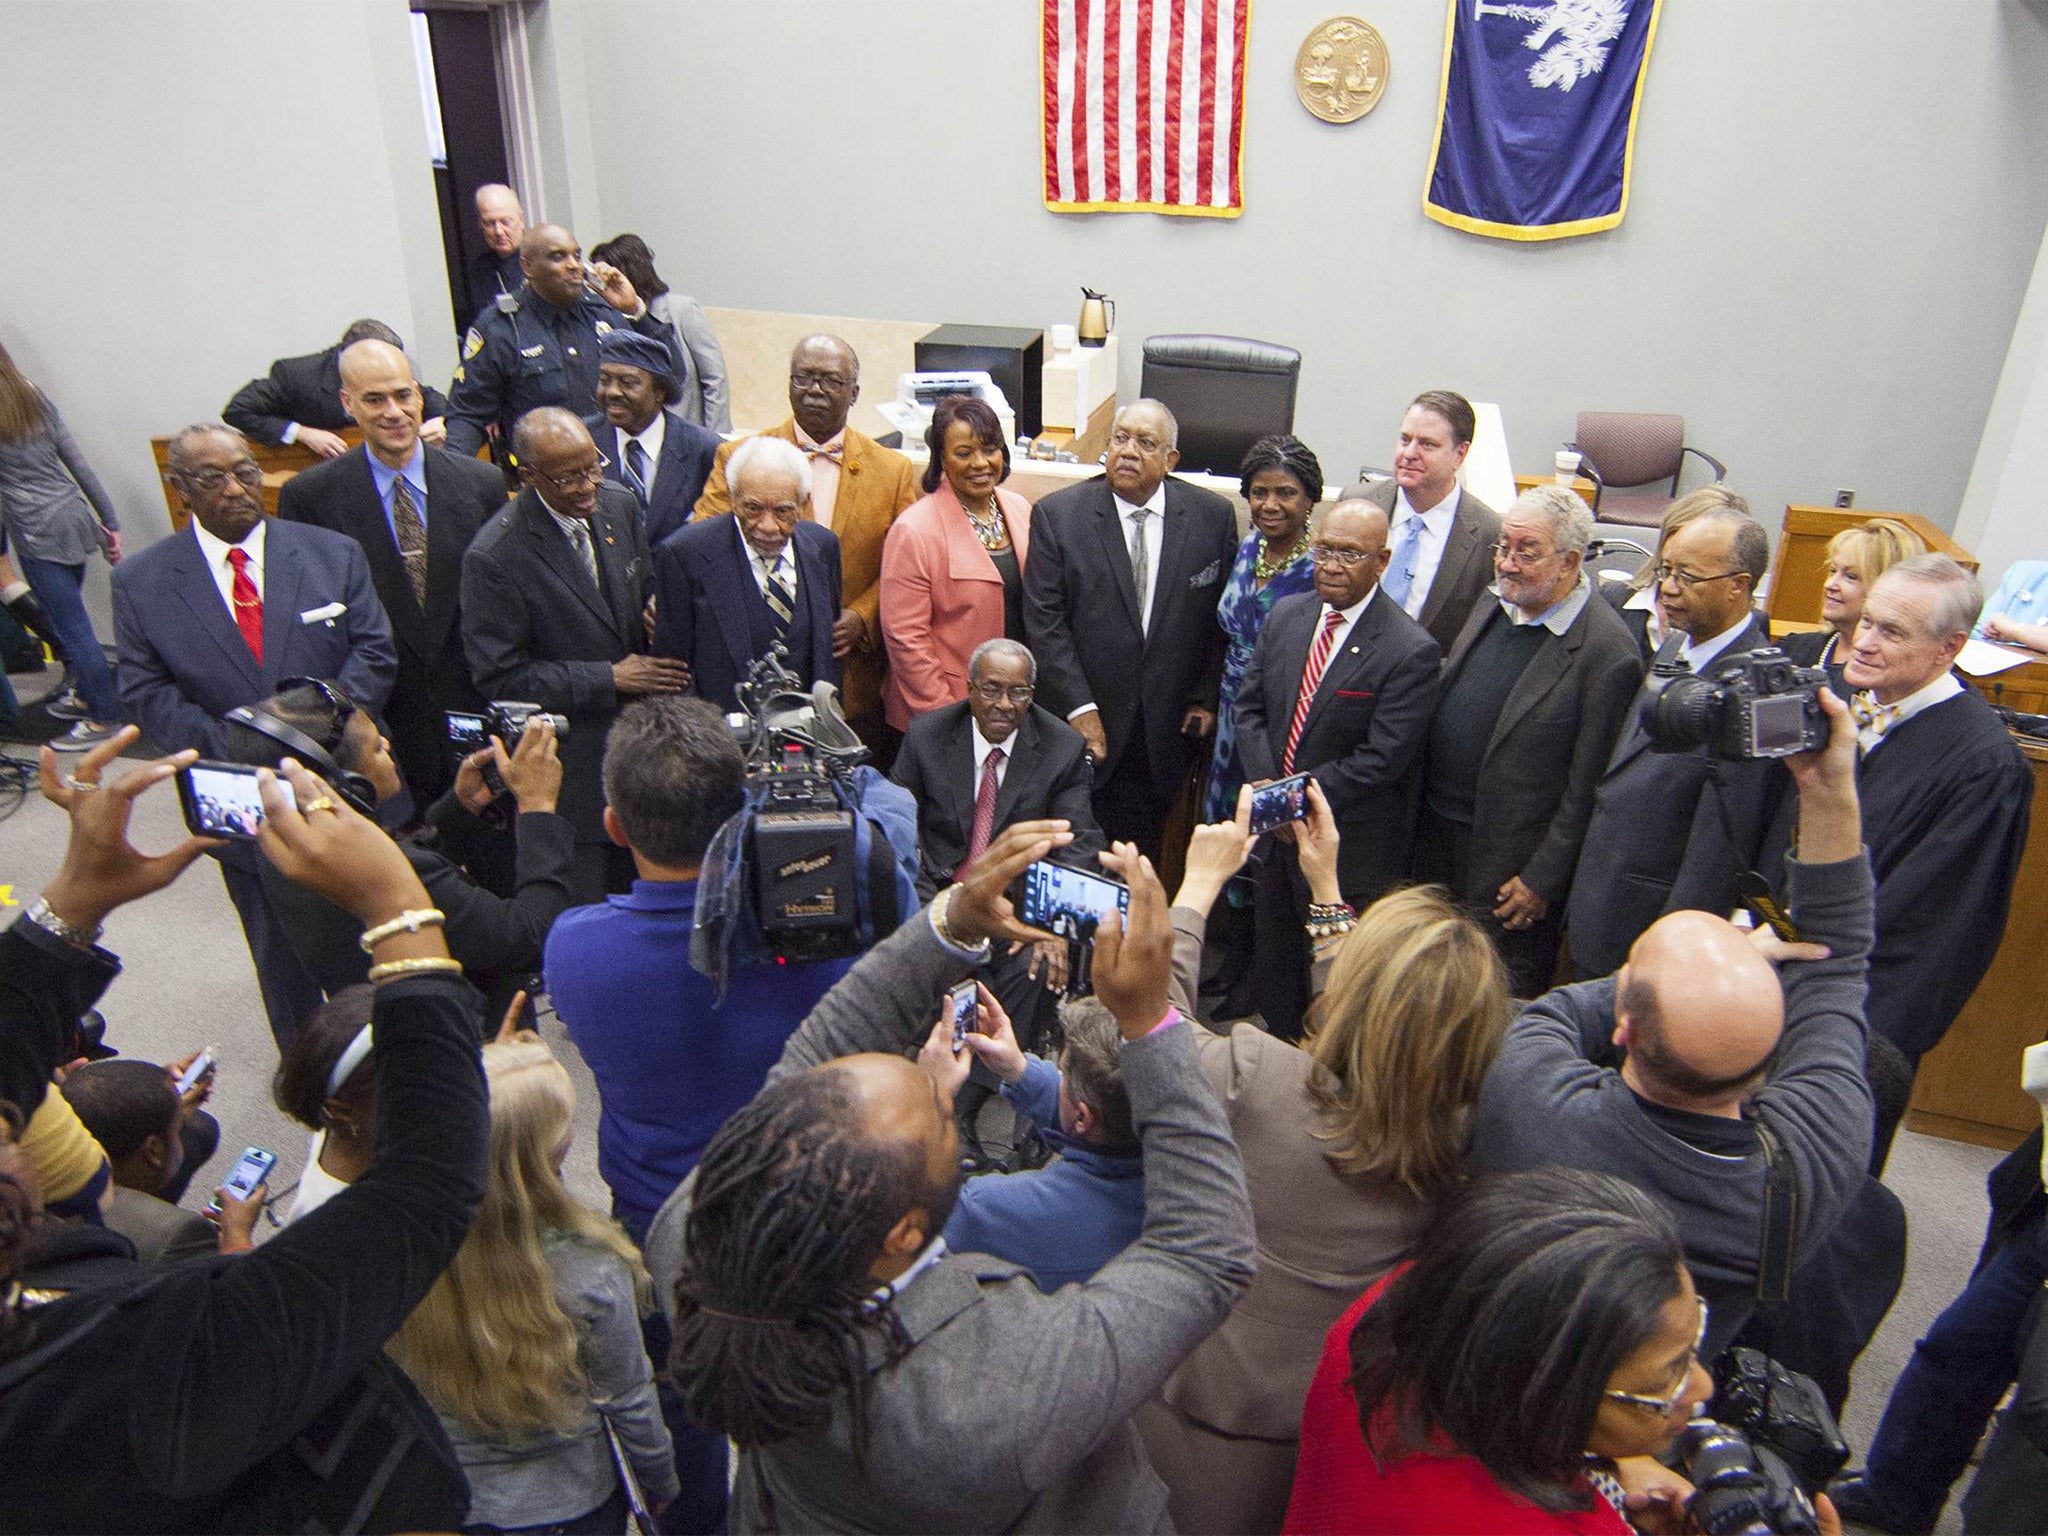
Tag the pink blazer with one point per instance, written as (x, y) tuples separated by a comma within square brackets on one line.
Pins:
[(941, 597)]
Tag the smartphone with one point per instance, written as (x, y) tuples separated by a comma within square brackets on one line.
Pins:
[(250, 1170), (1278, 803), (221, 799), (468, 733), (1068, 903), (962, 1001), (189, 1078), (1764, 907)]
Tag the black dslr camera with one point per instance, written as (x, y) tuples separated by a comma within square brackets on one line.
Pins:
[(1742, 1488), (804, 872), (506, 720), (1760, 704)]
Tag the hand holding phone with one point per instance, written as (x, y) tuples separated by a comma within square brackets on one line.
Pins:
[(222, 800), (1276, 804), (251, 1169), (1068, 903), (961, 1002), (190, 1078)]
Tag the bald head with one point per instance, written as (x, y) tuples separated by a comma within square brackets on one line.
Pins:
[(381, 396), (1698, 1011), (553, 264), (499, 216)]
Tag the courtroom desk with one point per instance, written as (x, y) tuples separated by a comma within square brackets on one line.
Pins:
[(1799, 564), (1582, 488), (1969, 1085)]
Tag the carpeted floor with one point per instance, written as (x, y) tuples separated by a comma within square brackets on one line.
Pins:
[(187, 982)]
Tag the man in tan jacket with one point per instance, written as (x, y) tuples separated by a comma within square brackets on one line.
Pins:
[(857, 489)]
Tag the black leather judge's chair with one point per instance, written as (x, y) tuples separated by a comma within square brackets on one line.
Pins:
[(1226, 392)]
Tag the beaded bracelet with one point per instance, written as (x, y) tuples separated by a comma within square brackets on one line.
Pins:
[(391, 969), (409, 921)]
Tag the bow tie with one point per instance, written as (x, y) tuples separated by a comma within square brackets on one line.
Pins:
[(1872, 718), (836, 455)]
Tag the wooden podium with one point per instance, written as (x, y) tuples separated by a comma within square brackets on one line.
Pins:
[(1799, 564)]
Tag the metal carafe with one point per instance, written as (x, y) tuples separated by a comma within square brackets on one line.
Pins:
[(1098, 318)]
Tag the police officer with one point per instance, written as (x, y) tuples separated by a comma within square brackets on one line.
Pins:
[(538, 346)]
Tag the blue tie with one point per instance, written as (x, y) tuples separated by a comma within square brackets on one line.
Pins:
[(636, 469), (1400, 577)]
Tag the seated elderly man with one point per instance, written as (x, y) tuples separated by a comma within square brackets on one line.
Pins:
[(727, 590), (1699, 1074)]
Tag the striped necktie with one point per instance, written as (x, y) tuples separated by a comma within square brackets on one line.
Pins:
[(1311, 679), (781, 601), (636, 470), (412, 538)]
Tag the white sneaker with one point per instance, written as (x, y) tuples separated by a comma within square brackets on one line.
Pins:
[(83, 736)]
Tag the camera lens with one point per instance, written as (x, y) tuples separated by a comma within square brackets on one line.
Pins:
[(1678, 712)]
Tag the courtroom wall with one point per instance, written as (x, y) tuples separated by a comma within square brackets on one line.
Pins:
[(1836, 207), (191, 190)]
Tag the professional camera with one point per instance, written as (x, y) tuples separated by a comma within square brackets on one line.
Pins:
[(506, 720), (818, 870), (1759, 704), (1742, 1488)]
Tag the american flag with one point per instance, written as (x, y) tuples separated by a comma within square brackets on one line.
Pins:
[(1144, 105)]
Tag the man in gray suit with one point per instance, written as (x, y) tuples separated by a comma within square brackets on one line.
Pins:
[(874, 1380), (1440, 537), (1674, 830), (1534, 694)]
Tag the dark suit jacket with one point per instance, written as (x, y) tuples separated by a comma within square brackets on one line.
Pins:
[(1466, 570), (433, 674), (679, 474), (1046, 774), (704, 596), (306, 390), (1670, 831), (1366, 729), (536, 630), (1081, 613), (1549, 744), (183, 664)]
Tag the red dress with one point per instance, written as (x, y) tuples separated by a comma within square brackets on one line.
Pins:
[(1341, 1491)]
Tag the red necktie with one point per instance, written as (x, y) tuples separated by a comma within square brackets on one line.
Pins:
[(1311, 678), (248, 604), (984, 811)]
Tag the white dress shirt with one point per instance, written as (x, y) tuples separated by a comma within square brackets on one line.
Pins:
[(1343, 630), (1560, 615), (216, 552), (1155, 540), (824, 473), (783, 565), (650, 443), (1700, 654), (982, 747), (1429, 551)]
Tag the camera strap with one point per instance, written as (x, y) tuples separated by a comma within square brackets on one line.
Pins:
[(1780, 1220)]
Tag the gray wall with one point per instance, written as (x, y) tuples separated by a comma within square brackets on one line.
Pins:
[(1835, 210), (192, 190)]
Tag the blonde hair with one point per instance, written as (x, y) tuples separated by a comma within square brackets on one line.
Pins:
[(1690, 507), (489, 1345), (1413, 1015), (1876, 546), (23, 410)]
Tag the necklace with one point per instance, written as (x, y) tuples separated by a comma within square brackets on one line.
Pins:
[(989, 527), (1264, 570)]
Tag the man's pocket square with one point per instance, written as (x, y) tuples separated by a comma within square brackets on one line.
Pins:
[(326, 615)]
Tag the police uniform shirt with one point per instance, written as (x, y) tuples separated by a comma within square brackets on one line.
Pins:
[(522, 353)]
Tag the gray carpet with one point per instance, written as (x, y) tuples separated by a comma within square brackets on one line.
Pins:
[(187, 982)]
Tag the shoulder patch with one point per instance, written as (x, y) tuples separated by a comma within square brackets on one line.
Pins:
[(472, 344)]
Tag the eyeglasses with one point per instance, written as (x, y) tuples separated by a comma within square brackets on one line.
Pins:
[(1667, 1405), (996, 693), (1123, 437), (576, 479), (1331, 554), (1521, 554), (803, 378), (1686, 580), (248, 472)]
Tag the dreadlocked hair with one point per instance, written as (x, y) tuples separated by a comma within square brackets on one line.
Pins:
[(793, 1202)]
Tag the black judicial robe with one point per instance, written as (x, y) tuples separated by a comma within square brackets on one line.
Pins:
[(1946, 798)]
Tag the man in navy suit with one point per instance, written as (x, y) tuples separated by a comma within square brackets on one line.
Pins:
[(1369, 674), (218, 616), (661, 458), (725, 592), (413, 508)]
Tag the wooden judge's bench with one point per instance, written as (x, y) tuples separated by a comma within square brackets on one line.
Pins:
[(1969, 1085)]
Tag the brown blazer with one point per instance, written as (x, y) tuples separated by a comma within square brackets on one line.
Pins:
[(875, 484)]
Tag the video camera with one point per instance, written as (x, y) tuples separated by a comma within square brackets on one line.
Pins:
[(800, 836), (1757, 705)]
